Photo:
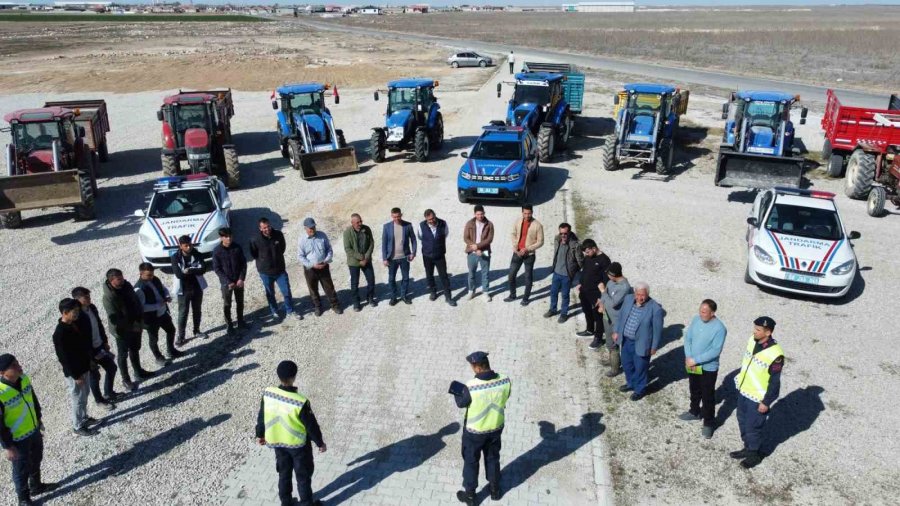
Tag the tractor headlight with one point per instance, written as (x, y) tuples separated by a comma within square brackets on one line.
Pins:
[(762, 256), (844, 268), (149, 242), (466, 175)]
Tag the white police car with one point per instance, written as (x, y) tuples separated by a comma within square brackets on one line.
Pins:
[(196, 205), (796, 243)]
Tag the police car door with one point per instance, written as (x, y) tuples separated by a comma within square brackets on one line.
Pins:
[(531, 158)]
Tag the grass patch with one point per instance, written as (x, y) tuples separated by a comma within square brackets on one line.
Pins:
[(134, 18), (585, 215)]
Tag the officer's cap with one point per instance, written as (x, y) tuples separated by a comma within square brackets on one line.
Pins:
[(765, 321), (287, 370), (477, 357), (6, 360)]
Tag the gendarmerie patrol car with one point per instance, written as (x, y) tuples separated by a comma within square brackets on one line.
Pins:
[(797, 243), (196, 205)]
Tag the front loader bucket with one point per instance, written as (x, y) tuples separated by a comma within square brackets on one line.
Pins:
[(750, 170), (328, 163), (36, 191)]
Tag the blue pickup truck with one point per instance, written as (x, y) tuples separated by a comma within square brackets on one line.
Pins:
[(500, 166)]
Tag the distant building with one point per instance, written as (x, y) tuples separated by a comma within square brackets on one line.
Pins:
[(599, 7), (419, 9), (370, 9)]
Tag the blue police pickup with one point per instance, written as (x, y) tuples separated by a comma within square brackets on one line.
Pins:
[(501, 165)]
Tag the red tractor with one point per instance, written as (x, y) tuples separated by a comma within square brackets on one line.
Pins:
[(49, 164), (196, 127)]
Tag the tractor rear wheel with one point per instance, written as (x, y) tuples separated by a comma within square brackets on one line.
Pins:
[(377, 146), (104, 152), (170, 165), (438, 135), (875, 204), (232, 168), (294, 153), (85, 210), (11, 220), (835, 165), (565, 130), (608, 154), (422, 145), (342, 141), (546, 142), (860, 175)]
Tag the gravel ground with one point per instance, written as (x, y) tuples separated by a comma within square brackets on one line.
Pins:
[(188, 429)]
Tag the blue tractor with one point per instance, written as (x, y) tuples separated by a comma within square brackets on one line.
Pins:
[(538, 104), (647, 117), (757, 149), (306, 132), (412, 120)]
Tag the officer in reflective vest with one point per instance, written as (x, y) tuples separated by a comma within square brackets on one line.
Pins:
[(286, 424), (484, 398), (20, 432), (758, 383)]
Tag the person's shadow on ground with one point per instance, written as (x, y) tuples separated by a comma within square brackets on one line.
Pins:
[(378, 465), (555, 445), (794, 413)]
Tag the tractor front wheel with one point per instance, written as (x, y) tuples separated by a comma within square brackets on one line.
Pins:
[(835, 165), (232, 168), (664, 157), (875, 204), (608, 154), (422, 145), (294, 153), (342, 141), (11, 220), (170, 165), (565, 130), (860, 175), (377, 146), (546, 142), (85, 210)]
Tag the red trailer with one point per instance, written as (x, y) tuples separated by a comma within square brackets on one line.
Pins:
[(864, 142), (92, 115)]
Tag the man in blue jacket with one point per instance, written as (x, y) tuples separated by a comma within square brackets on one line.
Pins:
[(433, 233), (639, 332), (398, 249)]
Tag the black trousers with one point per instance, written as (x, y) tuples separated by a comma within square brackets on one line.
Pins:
[(703, 395), (238, 294), (316, 277), (369, 272), (290, 462), (441, 264), (153, 324), (109, 367), (514, 265), (473, 447), (28, 465), (192, 302), (594, 319), (128, 348)]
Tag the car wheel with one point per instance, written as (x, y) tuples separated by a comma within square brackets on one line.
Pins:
[(455, 65), (482, 64), (747, 278)]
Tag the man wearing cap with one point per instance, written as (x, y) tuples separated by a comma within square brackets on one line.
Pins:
[(484, 398), (286, 423), (758, 382), (359, 244), (315, 254), (20, 432)]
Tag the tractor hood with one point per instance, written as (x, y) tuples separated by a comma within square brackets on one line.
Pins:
[(761, 140), (196, 139), (314, 123), (492, 167), (521, 112), (39, 161), (398, 118)]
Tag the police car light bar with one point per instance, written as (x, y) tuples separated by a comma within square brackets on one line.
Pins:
[(818, 194)]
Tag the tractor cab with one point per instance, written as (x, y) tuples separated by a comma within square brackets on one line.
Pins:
[(43, 140), (303, 106), (188, 112), (535, 99), (760, 122), (412, 119), (647, 112)]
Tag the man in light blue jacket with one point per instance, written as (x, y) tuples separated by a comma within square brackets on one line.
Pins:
[(639, 332), (315, 254), (703, 342)]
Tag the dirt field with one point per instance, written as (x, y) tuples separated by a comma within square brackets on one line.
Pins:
[(850, 46)]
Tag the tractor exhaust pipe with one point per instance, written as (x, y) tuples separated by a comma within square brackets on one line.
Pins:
[(10, 160), (57, 162)]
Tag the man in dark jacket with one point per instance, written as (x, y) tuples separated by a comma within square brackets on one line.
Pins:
[(189, 265), (593, 274), (359, 244), (126, 318), (398, 250), (155, 299), (230, 266), (433, 233), (268, 250), (73, 350), (567, 259), (90, 325)]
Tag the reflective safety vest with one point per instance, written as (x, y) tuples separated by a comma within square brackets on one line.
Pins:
[(486, 412), (281, 414), (19, 415), (753, 380)]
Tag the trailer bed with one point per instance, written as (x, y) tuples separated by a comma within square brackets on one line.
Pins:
[(847, 128)]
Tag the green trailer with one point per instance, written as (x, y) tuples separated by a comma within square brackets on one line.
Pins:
[(573, 84)]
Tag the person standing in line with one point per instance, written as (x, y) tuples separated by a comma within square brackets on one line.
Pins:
[(640, 328), (74, 353), (286, 423), (398, 250), (612, 295), (478, 235), (567, 260), (125, 314), (759, 383), (703, 342), (268, 249), (484, 397), (512, 61), (155, 299), (527, 238), (433, 233), (315, 253), (230, 266), (189, 265), (593, 275), (90, 325), (359, 244), (20, 430)]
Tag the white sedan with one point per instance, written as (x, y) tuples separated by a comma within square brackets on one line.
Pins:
[(797, 243), (196, 206)]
